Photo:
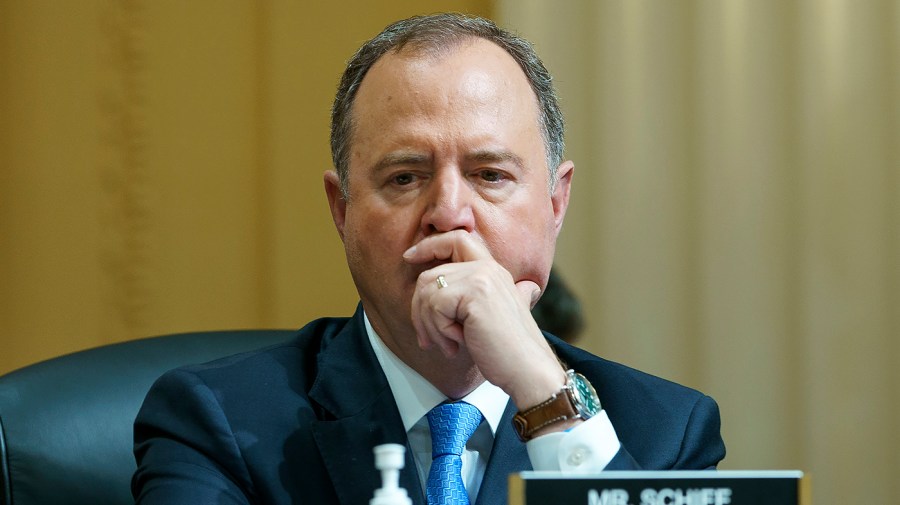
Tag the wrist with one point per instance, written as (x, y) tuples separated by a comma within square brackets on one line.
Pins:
[(575, 402), (535, 388)]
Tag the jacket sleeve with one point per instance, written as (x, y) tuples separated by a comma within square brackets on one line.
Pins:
[(185, 450), (702, 447)]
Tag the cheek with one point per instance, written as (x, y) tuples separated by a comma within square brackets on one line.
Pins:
[(523, 244), (524, 224), (378, 232), (519, 242)]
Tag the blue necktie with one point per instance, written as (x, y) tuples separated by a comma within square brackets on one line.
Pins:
[(451, 426)]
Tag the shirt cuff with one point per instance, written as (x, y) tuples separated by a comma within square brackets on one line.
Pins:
[(586, 448)]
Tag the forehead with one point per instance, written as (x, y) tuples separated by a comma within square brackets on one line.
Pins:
[(472, 81), (460, 55)]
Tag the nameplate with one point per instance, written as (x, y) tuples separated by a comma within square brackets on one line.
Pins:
[(724, 487)]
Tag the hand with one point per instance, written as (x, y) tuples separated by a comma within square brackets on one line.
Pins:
[(484, 310)]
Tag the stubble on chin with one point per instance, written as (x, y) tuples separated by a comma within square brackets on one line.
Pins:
[(455, 377)]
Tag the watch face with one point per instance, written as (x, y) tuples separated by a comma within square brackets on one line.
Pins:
[(586, 400)]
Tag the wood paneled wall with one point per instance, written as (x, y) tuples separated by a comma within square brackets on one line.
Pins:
[(161, 166)]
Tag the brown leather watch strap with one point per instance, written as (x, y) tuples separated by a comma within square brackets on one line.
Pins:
[(557, 409)]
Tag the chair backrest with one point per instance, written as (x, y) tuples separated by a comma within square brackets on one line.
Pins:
[(66, 423)]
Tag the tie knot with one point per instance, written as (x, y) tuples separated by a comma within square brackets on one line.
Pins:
[(451, 426)]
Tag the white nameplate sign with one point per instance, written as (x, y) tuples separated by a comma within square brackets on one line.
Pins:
[(723, 487)]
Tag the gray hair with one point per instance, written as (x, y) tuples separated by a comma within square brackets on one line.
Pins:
[(433, 34)]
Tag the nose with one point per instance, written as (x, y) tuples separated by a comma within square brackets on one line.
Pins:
[(449, 204)]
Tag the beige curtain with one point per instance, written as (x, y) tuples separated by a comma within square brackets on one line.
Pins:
[(735, 222)]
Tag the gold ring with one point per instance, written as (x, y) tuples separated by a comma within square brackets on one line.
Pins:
[(441, 282)]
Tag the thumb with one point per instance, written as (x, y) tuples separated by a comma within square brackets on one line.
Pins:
[(529, 292)]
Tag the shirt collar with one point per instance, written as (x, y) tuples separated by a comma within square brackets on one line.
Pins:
[(415, 396)]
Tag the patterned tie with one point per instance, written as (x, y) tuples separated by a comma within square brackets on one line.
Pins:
[(451, 426)]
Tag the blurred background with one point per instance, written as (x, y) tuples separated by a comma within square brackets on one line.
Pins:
[(735, 222)]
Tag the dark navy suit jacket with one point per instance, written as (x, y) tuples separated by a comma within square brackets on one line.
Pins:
[(296, 424)]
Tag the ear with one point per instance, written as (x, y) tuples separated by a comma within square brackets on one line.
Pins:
[(560, 195), (336, 200)]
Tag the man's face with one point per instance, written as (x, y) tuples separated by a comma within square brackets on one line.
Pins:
[(443, 143)]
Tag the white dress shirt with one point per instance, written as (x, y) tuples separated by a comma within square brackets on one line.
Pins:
[(587, 448)]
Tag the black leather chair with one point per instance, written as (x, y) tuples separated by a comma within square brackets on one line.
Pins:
[(66, 423)]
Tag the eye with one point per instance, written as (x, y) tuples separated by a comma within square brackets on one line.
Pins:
[(402, 179), (491, 175)]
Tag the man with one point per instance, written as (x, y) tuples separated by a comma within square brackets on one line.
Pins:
[(448, 194), (559, 310)]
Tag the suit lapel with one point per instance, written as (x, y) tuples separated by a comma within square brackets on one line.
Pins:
[(362, 413), (352, 388), (507, 456)]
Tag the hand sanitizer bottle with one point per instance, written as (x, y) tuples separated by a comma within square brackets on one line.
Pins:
[(389, 459)]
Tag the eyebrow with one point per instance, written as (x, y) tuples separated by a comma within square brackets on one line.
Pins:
[(490, 156), (401, 158), (480, 156)]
